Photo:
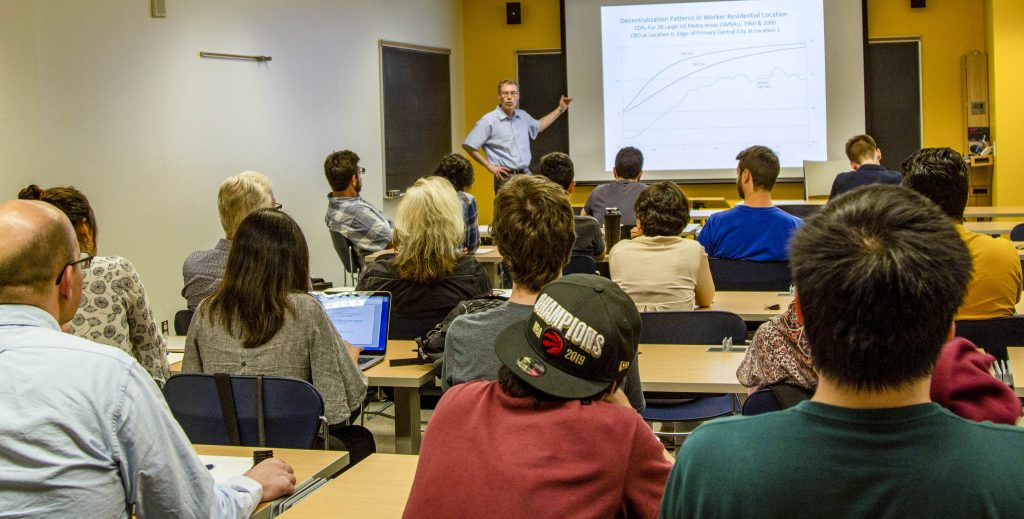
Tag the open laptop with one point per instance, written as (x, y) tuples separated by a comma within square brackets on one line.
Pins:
[(361, 318)]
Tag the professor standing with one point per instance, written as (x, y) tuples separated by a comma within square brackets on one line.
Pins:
[(505, 134)]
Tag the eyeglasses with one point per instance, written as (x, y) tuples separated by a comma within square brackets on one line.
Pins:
[(509, 94), (85, 260), (278, 206), (362, 170)]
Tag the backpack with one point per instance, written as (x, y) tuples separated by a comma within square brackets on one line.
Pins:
[(431, 345)]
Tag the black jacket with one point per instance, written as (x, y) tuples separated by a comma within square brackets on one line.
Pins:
[(413, 300)]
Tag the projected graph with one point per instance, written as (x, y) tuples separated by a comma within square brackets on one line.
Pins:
[(693, 94)]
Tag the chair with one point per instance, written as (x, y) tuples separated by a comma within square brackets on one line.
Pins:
[(626, 232), (774, 398), (182, 320), (1017, 233), (802, 211), (689, 327), (580, 264), (293, 410), (755, 276), (993, 335), (349, 256)]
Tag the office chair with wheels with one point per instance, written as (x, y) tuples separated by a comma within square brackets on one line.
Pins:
[(349, 256), (580, 264), (756, 276), (182, 320), (1017, 233), (993, 335), (689, 327), (226, 409)]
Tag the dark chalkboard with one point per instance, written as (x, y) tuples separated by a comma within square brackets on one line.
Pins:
[(542, 83), (894, 98), (417, 112)]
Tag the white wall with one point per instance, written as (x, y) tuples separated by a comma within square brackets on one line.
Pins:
[(96, 94)]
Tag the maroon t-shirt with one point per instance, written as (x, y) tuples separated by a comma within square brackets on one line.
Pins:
[(486, 454)]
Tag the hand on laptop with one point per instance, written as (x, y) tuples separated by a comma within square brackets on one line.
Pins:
[(276, 477), (353, 351)]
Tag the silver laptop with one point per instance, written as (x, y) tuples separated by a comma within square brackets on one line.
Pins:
[(361, 318)]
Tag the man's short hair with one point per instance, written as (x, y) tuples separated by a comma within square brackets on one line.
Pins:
[(533, 229), (457, 170), (340, 168), (940, 174), (240, 195), (508, 81), (662, 209), (879, 274), (763, 164), (29, 267), (558, 167), (629, 163), (860, 148)]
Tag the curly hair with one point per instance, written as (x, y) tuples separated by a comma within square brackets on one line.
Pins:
[(239, 196), (662, 210), (457, 170), (534, 230)]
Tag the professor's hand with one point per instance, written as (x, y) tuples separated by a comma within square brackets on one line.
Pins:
[(563, 103), (499, 172)]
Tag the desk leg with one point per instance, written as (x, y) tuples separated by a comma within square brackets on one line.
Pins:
[(407, 420)]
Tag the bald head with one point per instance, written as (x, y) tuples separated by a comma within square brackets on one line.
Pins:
[(38, 241)]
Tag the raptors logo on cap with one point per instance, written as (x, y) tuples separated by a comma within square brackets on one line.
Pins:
[(552, 342)]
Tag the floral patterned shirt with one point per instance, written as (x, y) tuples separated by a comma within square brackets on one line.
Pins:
[(115, 311)]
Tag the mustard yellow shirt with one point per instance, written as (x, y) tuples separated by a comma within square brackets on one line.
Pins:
[(996, 283)]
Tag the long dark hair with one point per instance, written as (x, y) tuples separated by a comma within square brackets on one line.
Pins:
[(269, 259)]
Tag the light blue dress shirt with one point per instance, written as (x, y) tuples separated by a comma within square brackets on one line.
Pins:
[(505, 140), (86, 433)]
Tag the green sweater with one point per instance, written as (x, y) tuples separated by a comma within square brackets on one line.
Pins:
[(817, 460)]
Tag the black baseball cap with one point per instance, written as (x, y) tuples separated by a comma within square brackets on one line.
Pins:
[(583, 333)]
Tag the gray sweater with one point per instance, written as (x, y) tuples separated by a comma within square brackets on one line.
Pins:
[(307, 347)]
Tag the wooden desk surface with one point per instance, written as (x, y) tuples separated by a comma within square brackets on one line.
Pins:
[(990, 227), (994, 211), (689, 369), (377, 487), (307, 464), (415, 375), (491, 256), (751, 305)]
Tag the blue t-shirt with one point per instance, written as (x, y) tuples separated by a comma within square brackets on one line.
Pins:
[(750, 233)]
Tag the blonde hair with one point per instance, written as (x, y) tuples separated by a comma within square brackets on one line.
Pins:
[(429, 231), (240, 195)]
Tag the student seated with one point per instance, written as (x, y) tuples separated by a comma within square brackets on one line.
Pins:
[(348, 214), (879, 274), (114, 309), (557, 166), (459, 172), (533, 230), (262, 321), (866, 161), (554, 436), (237, 197), (756, 230), (85, 431), (659, 268), (622, 193), (429, 274)]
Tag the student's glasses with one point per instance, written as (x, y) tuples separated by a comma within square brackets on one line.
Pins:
[(85, 260)]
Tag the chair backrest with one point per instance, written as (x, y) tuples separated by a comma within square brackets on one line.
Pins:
[(347, 253), (405, 328), (802, 211), (182, 320), (626, 232), (993, 335), (692, 327), (744, 275), (580, 264), (1017, 233), (775, 397), (292, 409)]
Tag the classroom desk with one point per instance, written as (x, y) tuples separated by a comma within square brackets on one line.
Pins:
[(378, 486), (1016, 356), (490, 261), (751, 305), (994, 211), (703, 202), (175, 343), (312, 469), (994, 228), (1019, 245), (689, 369), (407, 381)]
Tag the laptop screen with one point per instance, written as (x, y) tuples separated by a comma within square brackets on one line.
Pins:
[(361, 318)]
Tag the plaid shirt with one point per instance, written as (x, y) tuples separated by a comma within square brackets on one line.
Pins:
[(364, 225), (472, 240)]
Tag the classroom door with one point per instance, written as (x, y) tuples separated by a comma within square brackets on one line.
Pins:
[(893, 98), (541, 76)]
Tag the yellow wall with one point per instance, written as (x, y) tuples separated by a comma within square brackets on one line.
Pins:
[(948, 29), (1005, 48)]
